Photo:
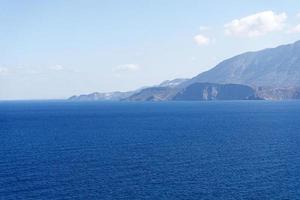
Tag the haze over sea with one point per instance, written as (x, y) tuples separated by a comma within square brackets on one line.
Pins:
[(148, 150)]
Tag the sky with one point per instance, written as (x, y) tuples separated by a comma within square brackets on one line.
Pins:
[(54, 49)]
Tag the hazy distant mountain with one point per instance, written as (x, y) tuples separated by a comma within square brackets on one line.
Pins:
[(275, 67), (274, 93), (196, 92), (96, 96), (154, 94), (172, 83), (213, 91), (157, 93), (268, 74)]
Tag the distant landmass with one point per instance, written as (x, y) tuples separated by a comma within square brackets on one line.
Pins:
[(274, 67), (213, 91), (270, 74), (97, 96)]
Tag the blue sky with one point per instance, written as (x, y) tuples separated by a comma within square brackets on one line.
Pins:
[(54, 49)]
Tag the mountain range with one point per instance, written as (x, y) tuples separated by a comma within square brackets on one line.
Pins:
[(270, 74)]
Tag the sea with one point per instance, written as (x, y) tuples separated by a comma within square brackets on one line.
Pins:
[(149, 150)]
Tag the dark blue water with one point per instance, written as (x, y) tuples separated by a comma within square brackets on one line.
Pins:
[(179, 150)]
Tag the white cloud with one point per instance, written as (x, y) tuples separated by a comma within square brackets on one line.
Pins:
[(295, 29), (3, 70), (202, 40), (127, 68), (57, 68), (256, 25), (204, 28), (298, 15)]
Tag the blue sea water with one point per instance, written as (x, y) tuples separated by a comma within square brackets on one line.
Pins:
[(170, 150)]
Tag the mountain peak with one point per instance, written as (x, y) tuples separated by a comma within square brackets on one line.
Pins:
[(276, 67)]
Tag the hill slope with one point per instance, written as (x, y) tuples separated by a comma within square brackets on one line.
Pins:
[(275, 67), (213, 91), (272, 73)]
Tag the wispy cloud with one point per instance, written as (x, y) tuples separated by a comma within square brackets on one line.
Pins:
[(35, 70), (3, 70), (202, 40), (57, 68), (127, 68), (204, 28), (256, 25), (61, 68), (295, 29)]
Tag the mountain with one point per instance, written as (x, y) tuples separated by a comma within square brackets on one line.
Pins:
[(154, 94), (271, 74), (213, 91), (196, 92), (173, 83), (271, 93), (96, 96), (274, 67)]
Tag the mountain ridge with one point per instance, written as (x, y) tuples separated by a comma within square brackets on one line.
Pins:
[(272, 73), (276, 67)]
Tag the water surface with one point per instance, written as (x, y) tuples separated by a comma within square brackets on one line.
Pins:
[(175, 150)]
